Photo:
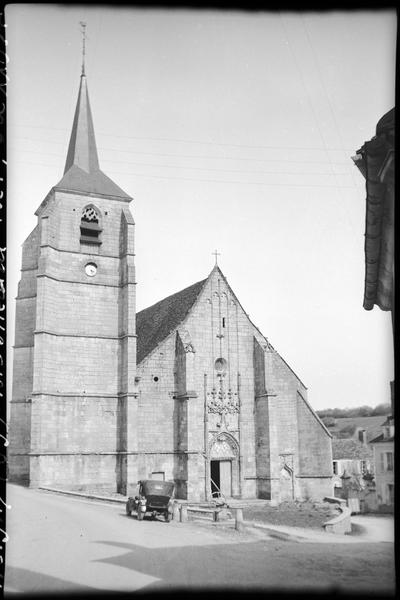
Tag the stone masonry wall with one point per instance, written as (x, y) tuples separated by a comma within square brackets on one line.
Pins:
[(282, 385), (25, 322), (218, 328), (84, 349), (315, 454), (73, 472), (314, 443), (57, 424), (300, 445)]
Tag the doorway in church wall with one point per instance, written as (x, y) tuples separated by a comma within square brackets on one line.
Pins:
[(223, 466), (221, 478)]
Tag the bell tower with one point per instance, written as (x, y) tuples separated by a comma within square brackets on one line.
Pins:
[(75, 340)]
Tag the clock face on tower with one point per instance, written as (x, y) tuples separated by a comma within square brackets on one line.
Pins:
[(91, 269)]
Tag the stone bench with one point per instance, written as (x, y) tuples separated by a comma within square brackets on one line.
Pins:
[(183, 511), (342, 523), (212, 512)]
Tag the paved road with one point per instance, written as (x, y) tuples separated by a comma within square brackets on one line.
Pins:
[(379, 528), (65, 544)]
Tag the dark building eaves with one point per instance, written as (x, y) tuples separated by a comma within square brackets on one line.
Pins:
[(375, 160)]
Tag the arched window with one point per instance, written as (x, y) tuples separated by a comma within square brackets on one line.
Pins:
[(90, 226)]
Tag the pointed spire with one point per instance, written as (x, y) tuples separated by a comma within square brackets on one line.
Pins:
[(82, 150), (82, 171), (83, 30)]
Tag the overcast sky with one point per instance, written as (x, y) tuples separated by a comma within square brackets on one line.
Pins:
[(232, 131)]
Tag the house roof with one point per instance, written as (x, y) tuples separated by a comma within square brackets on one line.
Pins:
[(381, 438), (350, 449), (155, 323), (372, 426), (375, 160), (82, 171)]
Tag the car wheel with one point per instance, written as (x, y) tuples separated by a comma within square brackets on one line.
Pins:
[(140, 515)]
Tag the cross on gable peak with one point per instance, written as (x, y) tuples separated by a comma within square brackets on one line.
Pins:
[(216, 254)]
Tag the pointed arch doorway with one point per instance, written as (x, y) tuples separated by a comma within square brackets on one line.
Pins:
[(224, 466), (221, 477)]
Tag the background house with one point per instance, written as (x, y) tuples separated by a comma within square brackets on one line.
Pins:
[(352, 456), (357, 446), (383, 446)]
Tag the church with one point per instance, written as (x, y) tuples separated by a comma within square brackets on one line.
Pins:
[(187, 390)]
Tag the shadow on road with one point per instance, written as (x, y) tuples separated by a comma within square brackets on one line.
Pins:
[(19, 580), (272, 566), (192, 566)]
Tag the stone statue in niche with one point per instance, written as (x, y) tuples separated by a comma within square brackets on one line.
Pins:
[(286, 461), (186, 340)]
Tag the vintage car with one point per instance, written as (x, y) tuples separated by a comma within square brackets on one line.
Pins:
[(154, 498)]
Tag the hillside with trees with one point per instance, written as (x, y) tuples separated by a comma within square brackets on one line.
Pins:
[(360, 411)]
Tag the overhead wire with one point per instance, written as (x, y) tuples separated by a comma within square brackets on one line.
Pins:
[(207, 143), (195, 168), (328, 162), (329, 103), (263, 183), (322, 80), (196, 156)]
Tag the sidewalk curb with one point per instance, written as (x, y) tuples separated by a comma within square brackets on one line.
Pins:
[(84, 495)]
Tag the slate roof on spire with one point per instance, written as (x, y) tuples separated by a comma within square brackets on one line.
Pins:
[(82, 172)]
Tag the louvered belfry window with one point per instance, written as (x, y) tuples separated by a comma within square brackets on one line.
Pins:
[(90, 226)]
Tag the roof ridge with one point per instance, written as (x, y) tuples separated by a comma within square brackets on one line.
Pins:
[(171, 296)]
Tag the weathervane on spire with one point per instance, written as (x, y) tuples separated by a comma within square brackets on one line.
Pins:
[(216, 254), (83, 31)]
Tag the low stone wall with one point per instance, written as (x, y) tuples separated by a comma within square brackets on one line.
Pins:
[(342, 523)]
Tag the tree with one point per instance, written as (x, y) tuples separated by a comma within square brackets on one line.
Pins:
[(360, 411), (381, 409)]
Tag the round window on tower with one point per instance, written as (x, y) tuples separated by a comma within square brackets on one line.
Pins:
[(91, 269), (220, 365)]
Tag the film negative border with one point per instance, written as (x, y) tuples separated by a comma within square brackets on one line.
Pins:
[(3, 405)]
